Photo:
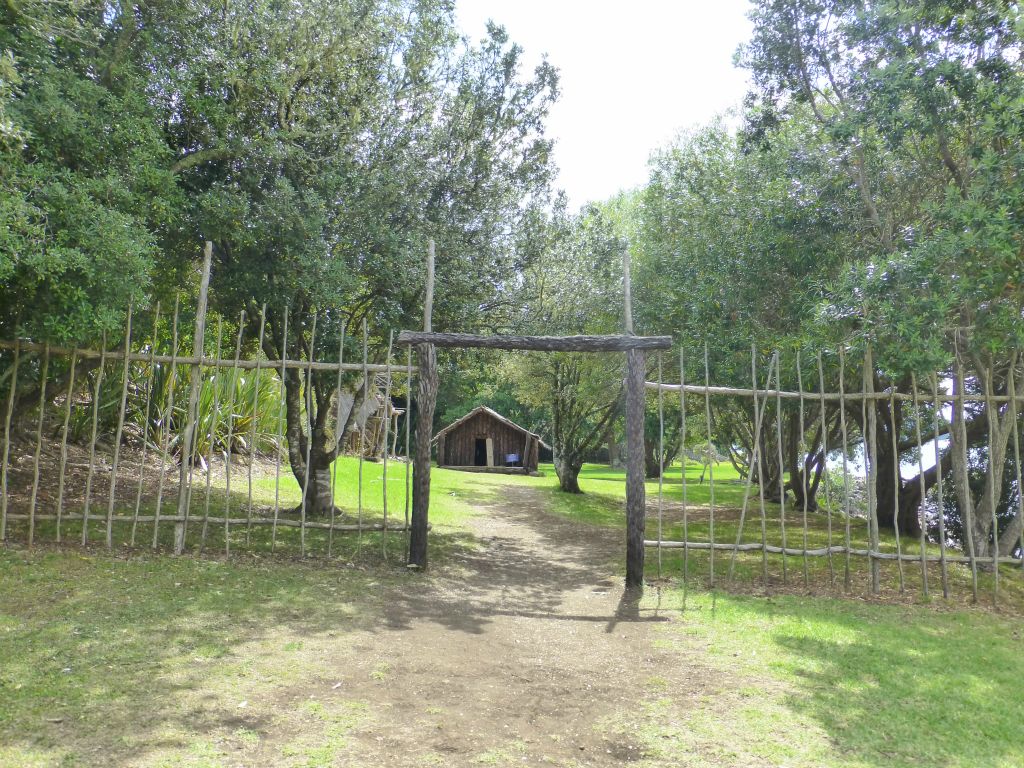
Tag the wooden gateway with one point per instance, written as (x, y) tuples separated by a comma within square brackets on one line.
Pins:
[(485, 441)]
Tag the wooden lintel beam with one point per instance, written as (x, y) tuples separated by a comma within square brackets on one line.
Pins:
[(621, 343)]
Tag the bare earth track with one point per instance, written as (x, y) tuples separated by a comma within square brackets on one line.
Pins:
[(521, 652)]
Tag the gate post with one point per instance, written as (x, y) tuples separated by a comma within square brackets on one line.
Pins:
[(425, 402), (636, 501)]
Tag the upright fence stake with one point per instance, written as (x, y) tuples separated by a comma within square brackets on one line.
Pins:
[(682, 441), (166, 426), (408, 421), (145, 424), (871, 457), (195, 376), (339, 436), (362, 437), (962, 478), (426, 401), (803, 460), (92, 440), (255, 411), (760, 455), (896, 485), (923, 542), (387, 424), (758, 419), (782, 463), (940, 496), (68, 398), (711, 465), (824, 468), (661, 457), (7, 440), (636, 493), (993, 424), (39, 444), (309, 439), (214, 420), (123, 404), (1016, 455), (231, 433), (847, 512), (280, 431)]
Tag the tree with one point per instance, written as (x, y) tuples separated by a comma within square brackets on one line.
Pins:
[(574, 288)]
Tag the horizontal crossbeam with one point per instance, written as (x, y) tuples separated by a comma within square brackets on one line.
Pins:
[(537, 343)]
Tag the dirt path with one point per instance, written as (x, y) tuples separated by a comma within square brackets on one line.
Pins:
[(522, 652)]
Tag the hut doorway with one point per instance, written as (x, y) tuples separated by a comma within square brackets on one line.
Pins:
[(480, 452)]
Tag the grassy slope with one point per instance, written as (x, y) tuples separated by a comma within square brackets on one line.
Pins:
[(124, 644)]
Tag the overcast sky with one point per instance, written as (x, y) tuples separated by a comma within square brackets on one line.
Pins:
[(632, 76)]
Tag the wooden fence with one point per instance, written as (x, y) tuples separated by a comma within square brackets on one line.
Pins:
[(148, 470), (842, 533)]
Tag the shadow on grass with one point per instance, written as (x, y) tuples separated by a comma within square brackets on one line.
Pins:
[(897, 686)]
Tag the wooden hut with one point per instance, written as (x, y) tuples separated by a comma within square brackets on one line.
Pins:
[(485, 441)]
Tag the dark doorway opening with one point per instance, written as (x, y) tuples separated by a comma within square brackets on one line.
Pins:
[(480, 452)]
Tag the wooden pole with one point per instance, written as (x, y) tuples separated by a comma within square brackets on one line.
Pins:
[(428, 296), (939, 496), (255, 420), (195, 376), (166, 418), (145, 426), (39, 445), (280, 432), (871, 455), (123, 404), (231, 433), (68, 399), (338, 437), (92, 441), (636, 501), (214, 420), (427, 399), (5, 462)]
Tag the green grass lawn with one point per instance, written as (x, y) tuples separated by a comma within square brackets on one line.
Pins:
[(115, 653)]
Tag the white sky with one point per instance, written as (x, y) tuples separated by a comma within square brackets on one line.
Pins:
[(632, 76)]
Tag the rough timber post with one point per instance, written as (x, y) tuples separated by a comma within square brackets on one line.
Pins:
[(193, 398), (636, 501), (426, 400)]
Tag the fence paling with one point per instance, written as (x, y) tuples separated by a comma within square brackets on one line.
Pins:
[(824, 468), (280, 432), (166, 425), (39, 446), (941, 497), (231, 432), (145, 421), (214, 420), (896, 485), (120, 428), (803, 461), (922, 524), (5, 461), (255, 407), (92, 443)]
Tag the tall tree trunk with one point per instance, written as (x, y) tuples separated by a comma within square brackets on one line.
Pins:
[(568, 472)]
